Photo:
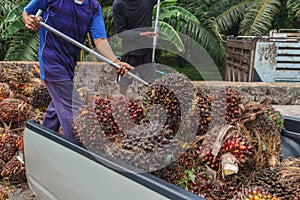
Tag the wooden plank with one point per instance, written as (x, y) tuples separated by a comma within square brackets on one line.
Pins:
[(237, 66), (239, 44), (238, 56)]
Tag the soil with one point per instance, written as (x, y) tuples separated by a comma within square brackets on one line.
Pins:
[(18, 192)]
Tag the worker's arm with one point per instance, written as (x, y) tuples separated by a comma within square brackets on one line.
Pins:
[(105, 50)]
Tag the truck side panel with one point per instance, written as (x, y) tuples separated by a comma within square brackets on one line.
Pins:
[(57, 169)]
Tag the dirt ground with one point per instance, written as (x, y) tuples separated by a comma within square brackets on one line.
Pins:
[(18, 192)]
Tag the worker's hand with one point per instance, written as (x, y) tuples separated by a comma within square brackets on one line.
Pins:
[(31, 22), (125, 67), (148, 34)]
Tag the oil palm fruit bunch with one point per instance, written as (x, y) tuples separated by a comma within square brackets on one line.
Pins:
[(239, 147), (87, 128), (14, 110), (105, 116), (257, 193), (117, 114), (203, 102), (169, 99), (264, 131), (233, 101), (232, 146), (40, 98), (163, 105), (126, 112), (14, 171), (19, 142), (16, 76), (271, 181), (4, 91), (7, 146)]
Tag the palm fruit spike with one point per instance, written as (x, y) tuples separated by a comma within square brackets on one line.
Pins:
[(126, 112), (7, 146), (13, 77), (40, 97), (14, 110), (204, 105), (270, 179), (233, 100), (87, 128), (169, 99), (4, 91)]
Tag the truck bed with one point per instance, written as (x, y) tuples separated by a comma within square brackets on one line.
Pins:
[(58, 169)]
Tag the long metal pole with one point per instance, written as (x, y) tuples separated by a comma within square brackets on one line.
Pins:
[(74, 42), (155, 30)]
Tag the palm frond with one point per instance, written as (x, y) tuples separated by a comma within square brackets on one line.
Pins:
[(166, 3), (178, 13), (208, 40), (24, 47), (107, 14), (168, 33), (13, 21), (259, 17), (294, 6), (226, 19)]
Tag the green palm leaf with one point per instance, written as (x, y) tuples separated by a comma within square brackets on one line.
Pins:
[(13, 21), (108, 20), (259, 17), (23, 47), (226, 19), (294, 6), (178, 13), (208, 40), (165, 3), (168, 33)]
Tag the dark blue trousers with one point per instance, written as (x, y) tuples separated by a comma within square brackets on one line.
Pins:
[(63, 107)]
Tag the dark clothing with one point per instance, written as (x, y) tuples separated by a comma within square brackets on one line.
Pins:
[(132, 17), (63, 107)]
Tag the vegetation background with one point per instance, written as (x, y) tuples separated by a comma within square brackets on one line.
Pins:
[(206, 22)]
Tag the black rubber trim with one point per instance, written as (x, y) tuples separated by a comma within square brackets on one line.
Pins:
[(156, 184), (290, 137)]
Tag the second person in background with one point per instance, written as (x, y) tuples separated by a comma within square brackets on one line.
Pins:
[(133, 22)]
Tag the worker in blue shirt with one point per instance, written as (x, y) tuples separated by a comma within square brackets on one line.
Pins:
[(57, 57)]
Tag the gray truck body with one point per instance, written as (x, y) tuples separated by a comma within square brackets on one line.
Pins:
[(59, 170)]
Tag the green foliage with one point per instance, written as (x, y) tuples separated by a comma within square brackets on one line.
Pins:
[(23, 47), (178, 13), (188, 177), (13, 21), (109, 21), (294, 7), (259, 17), (276, 118), (20, 44), (167, 33)]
